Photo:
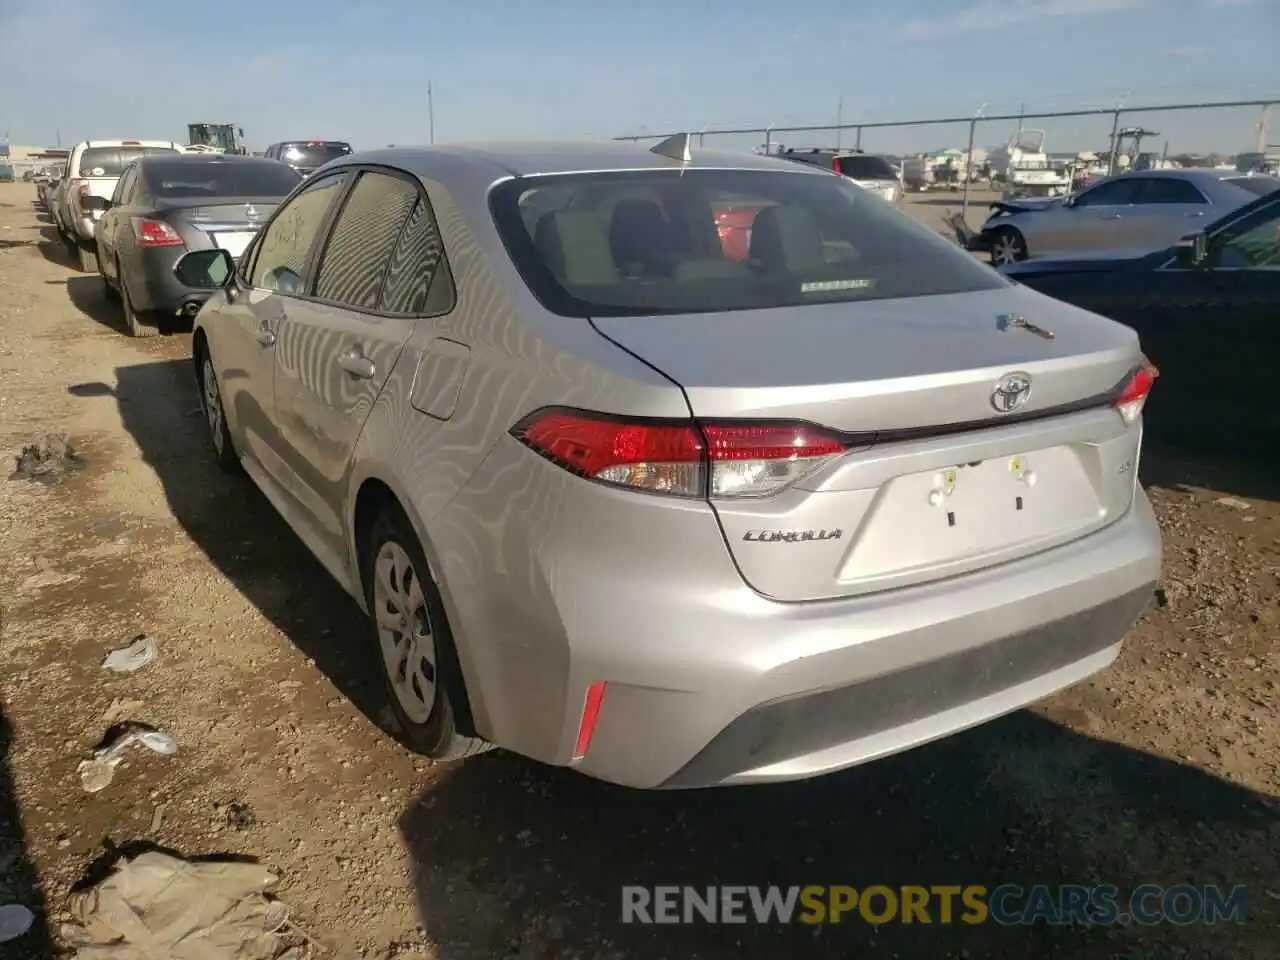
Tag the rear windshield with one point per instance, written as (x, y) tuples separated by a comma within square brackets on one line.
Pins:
[(110, 161), (313, 154), (196, 177), (665, 241), (867, 168), (1260, 186)]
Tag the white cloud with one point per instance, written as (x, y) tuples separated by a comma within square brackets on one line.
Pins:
[(986, 14)]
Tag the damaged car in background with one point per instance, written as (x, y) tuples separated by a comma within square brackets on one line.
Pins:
[(1134, 211)]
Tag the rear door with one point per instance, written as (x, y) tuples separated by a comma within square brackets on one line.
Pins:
[(1167, 208), (338, 345)]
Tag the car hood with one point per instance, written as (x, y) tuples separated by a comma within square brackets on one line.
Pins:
[(1028, 205)]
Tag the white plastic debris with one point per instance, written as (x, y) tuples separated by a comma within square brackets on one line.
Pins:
[(133, 657), (161, 906), (1234, 503), (96, 774), (15, 920)]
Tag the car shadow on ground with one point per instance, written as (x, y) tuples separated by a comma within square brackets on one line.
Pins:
[(240, 532), (52, 248), (19, 883), (88, 296), (517, 860), (512, 859)]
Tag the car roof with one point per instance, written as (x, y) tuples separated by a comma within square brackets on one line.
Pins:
[(499, 160), (1193, 175), (92, 144)]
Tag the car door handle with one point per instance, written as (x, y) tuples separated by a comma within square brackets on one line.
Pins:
[(265, 336), (357, 364), (1197, 213), (1116, 216)]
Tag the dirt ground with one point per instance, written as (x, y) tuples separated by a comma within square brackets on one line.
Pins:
[(1164, 769)]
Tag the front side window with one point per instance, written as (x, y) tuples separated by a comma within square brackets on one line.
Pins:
[(696, 241), (282, 254), (355, 258), (1111, 193)]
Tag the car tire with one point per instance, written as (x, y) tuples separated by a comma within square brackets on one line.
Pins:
[(1007, 246), (86, 257), (134, 325), (215, 417), (415, 648), (108, 291)]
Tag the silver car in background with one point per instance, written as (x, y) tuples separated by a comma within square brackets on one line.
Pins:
[(1131, 211), (672, 507)]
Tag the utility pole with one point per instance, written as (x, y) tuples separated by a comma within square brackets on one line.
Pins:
[(839, 119), (1264, 124), (1022, 109), (431, 113)]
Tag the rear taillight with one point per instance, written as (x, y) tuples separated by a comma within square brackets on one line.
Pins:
[(155, 233), (681, 458), (1134, 396)]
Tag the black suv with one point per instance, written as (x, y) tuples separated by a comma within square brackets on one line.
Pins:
[(307, 156)]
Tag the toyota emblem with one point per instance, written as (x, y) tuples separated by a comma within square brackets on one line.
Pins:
[(1011, 392)]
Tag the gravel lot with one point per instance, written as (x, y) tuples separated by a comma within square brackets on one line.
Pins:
[(1164, 769)]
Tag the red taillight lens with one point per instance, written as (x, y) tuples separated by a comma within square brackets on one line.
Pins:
[(1134, 396), (681, 458), (155, 233)]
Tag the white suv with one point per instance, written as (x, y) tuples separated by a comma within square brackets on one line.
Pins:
[(93, 169)]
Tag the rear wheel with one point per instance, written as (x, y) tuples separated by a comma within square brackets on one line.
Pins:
[(1007, 246), (224, 453), (133, 323), (108, 291), (414, 642)]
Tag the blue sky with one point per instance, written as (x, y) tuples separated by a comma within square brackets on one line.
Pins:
[(359, 70)]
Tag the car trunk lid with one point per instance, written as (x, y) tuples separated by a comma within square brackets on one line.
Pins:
[(230, 223), (934, 480)]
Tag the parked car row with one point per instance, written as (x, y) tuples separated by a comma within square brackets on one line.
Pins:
[(129, 208)]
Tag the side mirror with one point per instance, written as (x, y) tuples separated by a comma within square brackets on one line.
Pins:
[(107, 205), (205, 269), (1193, 249)]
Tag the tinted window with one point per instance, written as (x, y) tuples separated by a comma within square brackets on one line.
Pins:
[(1113, 192), (110, 161), (867, 168), (311, 155), (1169, 190), (359, 248), (646, 242), (1253, 242), (282, 255), (198, 177), (418, 279), (124, 187), (1259, 186)]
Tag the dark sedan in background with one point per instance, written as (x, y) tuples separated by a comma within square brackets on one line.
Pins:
[(307, 156), (1208, 312), (166, 205)]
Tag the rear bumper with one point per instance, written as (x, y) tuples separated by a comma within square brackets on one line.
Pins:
[(710, 683), (153, 288)]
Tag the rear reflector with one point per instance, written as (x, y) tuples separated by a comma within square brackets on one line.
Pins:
[(680, 458), (1134, 396), (155, 233), (590, 714)]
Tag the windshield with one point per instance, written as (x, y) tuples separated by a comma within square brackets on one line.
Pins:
[(1257, 185), (867, 168), (197, 177), (669, 241), (311, 155), (111, 161)]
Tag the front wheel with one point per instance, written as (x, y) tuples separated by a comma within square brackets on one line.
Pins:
[(108, 291), (1007, 246), (415, 644)]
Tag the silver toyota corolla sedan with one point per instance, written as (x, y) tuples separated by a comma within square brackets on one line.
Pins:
[(1132, 211), (674, 506)]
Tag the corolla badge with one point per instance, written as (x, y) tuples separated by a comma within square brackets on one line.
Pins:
[(1012, 391), (250, 211)]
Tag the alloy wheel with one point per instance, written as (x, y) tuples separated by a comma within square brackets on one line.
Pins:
[(404, 631)]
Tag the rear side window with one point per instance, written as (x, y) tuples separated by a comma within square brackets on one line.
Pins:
[(190, 177), (280, 262), (359, 249), (111, 161), (1123, 190), (1258, 186), (667, 241), (418, 280), (1170, 190)]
